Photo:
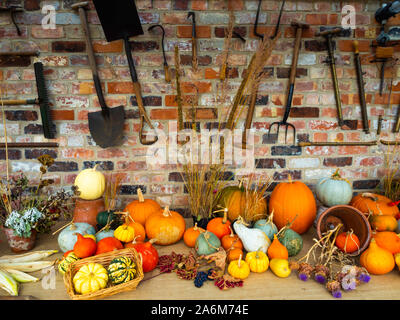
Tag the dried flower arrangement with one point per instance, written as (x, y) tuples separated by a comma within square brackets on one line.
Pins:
[(390, 184), (333, 268)]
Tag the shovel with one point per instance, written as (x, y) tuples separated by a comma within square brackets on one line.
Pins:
[(106, 126), (120, 20)]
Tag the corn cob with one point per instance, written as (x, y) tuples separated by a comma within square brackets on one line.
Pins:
[(21, 276), (30, 266), (8, 283), (27, 257)]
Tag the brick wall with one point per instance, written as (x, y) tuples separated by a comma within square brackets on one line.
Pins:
[(72, 94)]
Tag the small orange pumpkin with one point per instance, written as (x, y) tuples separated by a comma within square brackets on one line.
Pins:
[(108, 244), (377, 260), (140, 232), (388, 240), (84, 247), (220, 226), (347, 242), (166, 226), (191, 234), (376, 204), (277, 250), (383, 222), (231, 241), (142, 208), (234, 254)]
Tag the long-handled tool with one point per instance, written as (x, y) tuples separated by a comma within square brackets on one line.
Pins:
[(12, 9), (292, 79), (253, 98), (397, 123), (106, 126), (29, 145), (166, 67), (42, 100), (192, 15), (361, 91), (120, 20), (328, 35)]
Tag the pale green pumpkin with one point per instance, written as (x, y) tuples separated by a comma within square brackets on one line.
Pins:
[(207, 243), (334, 190)]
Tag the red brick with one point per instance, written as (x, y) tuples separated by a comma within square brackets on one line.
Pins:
[(352, 150), (112, 153), (190, 87), (348, 46), (62, 114), (171, 100), (107, 47), (321, 19), (186, 31), (164, 114), (120, 87), (76, 153)]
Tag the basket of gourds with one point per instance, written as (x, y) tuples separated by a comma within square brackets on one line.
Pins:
[(103, 275)]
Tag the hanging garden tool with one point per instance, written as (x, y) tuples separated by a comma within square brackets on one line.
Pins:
[(328, 35), (29, 145), (120, 20), (397, 123), (253, 98), (12, 9), (299, 27), (166, 67), (42, 100), (192, 15), (106, 126), (361, 91)]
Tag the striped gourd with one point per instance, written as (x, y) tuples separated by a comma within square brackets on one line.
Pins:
[(122, 269), (66, 262)]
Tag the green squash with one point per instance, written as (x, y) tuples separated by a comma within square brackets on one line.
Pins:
[(65, 263), (121, 270), (292, 241), (104, 217), (207, 243)]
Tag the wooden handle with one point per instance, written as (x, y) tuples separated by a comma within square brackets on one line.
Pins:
[(304, 144), (336, 144), (16, 102), (29, 145), (136, 89), (355, 45), (329, 32), (167, 74), (295, 55), (194, 54)]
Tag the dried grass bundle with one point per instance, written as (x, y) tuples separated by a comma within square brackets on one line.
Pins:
[(390, 183), (113, 186)]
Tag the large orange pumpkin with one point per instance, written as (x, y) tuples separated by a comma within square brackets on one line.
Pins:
[(388, 240), (375, 204), (142, 208), (166, 226), (232, 198), (293, 202)]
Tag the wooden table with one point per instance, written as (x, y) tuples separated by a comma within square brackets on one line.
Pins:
[(263, 286)]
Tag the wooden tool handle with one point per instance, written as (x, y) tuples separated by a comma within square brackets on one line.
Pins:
[(295, 55), (29, 145), (194, 54), (16, 102), (329, 32), (136, 89), (167, 74), (336, 144), (390, 143), (355, 45)]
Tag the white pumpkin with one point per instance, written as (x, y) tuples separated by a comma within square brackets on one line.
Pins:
[(334, 190), (253, 239), (90, 183)]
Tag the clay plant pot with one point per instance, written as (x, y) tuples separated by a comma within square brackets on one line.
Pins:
[(87, 210), (20, 244), (350, 218)]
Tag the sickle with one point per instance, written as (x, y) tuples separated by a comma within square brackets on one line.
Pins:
[(166, 68)]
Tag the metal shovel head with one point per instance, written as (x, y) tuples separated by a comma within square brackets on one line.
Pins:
[(119, 18), (107, 131)]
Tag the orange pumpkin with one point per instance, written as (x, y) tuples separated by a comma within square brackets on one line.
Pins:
[(293, 202), (220, 226), (375, 204), (383, 222), (191, 234), (277, 250), (231, 241), (140, 232), (84, 247), (347, 242), (142, 208), (108, 244), (388, 240), (166, 226), (377, 260), (234, 254)]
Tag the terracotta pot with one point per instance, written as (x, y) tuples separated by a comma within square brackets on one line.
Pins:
[(87, 210), (20, 244), (350, 218)]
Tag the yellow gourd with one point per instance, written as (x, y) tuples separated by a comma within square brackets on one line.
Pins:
[(397, 260), (280, 267), (258, 261), (239, 269), (90, 278), (90, 183), (124, 233), (376, 259)]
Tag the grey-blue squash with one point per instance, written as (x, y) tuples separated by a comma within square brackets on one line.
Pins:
[(334, 190), (207, 243), (67, 237), (267, 225)]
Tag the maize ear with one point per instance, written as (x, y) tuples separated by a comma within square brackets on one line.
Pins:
[(27, 266), (8, 283), (21, 276), (27, 257)]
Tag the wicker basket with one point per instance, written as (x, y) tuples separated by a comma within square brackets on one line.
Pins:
[(104, 259)]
